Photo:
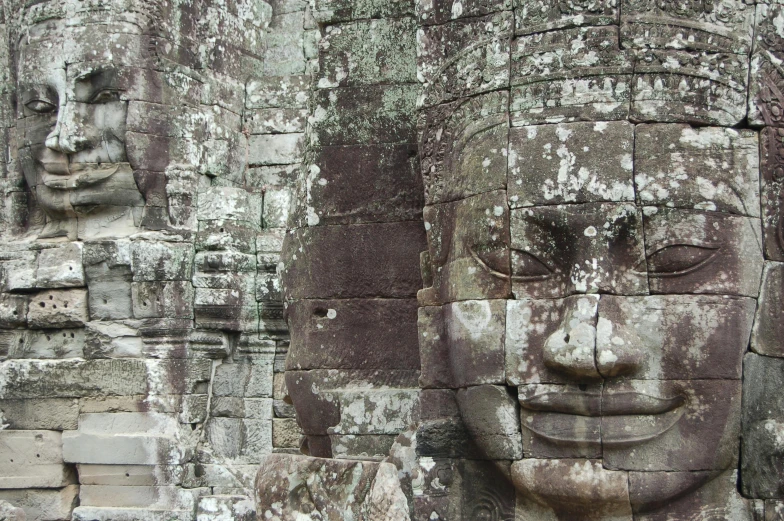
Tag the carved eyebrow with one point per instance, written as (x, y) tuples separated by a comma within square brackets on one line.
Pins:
[(37, 91), (97, 77)]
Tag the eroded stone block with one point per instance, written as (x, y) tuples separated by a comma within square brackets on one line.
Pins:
[(464, 57), (592, 82), (541, 16), (768, 329), (772, 191), (58, 309), (707, 168), (33, 459), (571, 163), (42, 504)]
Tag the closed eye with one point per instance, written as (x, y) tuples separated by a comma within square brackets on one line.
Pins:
[(679, 259), (105, 96), (494, 260), (527, 267), (40, 106)]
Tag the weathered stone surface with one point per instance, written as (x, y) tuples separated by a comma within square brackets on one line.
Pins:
[(651, 491), (349, 115), (763, 410), (354, 334), (368, 52), (126, 439), (44, 505), (593, 492), (236, 508), (8, 512), (161, 261), (342, 10), (680, 86), (275, 149), (130, 475), (33, 459), (54, 414), (322, 272), (593, 81), (129, 514), (571, 163), (373, 412), (697, 426), (475, 332), (365, 183), (24, 379), (286, 433), (60, 267), (58, 309), (705, 168), (463, 147), (539, 16), (439, 11), (464, 57), (673, 337), (468, 243), (772, 191), (699, 27), (491, 416), (767, 333), (722, 255), (588, 248), (561, 421), (247, 377), (360, 489)]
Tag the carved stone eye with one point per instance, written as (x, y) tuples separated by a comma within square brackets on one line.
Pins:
[(494, 258), (40, 106), (679, 259), (105, 96), (526, 266)]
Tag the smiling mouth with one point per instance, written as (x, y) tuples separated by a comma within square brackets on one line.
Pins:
[(62, 175), (612, 419)]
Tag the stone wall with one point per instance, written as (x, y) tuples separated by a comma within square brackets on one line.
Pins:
[(141, 373)]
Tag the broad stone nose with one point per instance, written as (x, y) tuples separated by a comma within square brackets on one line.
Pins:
[(70, 133), (570, 350)]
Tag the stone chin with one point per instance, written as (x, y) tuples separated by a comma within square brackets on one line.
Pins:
[(93, 201)]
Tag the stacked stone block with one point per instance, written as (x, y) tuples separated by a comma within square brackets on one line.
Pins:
[(353, 365)]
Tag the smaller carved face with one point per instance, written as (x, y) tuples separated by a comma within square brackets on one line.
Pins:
[(72, 122)]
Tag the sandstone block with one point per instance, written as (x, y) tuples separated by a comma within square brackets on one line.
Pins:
[(130, 475), (139, 496), (161, 261), (215, 508), (33, 459), (235, 204), (368, 52), (377, 411), (353, 334), (130, 514), (768, 329), (44, 505), (54, 414), (58, 308), (61, 267), (275, 149), (706, 168)]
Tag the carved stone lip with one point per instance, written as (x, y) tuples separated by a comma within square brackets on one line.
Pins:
[(63, 176), (608, 404), (627, 418)]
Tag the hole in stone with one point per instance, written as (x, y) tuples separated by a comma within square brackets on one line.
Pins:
[(320, 312), (48, 337), (65, 335), (72, 335), (582, 387), (42, 304), (566, 338), (127, 475), (66, 304), (54, 306), (221, 230), (16, 312), (70, 268), (37, 455), (21, 340), (144, 304), (51, 297), (105, 301)]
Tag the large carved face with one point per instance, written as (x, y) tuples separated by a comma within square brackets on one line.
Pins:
[(593, 293), (72, 120)]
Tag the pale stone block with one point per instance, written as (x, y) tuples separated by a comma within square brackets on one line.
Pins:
[(58, 308), (129, 514), (220, 475), (45, 413), (20, 271), (166, 497), (161, 261), (377, 411), (44, 505), (222, 202), (130, 475), (61, 267), (218, 508), (33, 459), (52, 343), (276, 149), (114, 449)]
